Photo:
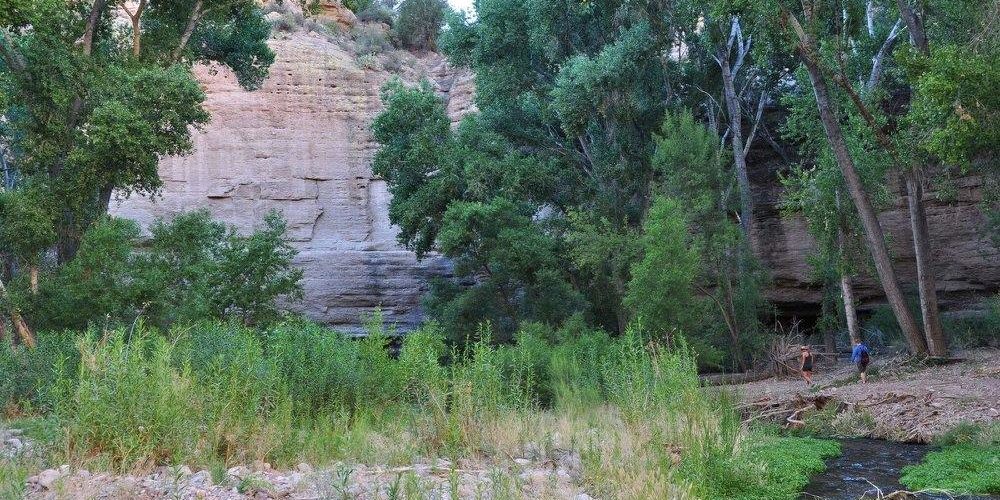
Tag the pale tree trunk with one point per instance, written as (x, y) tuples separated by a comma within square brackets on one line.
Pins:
[(847, 292), (846, 289), (874, 235), (736, 138), (33, 274), (734, 329), (729, 71)]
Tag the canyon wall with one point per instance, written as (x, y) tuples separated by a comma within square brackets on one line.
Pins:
[(301, 144)]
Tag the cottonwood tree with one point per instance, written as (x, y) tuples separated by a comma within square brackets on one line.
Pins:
[(96, 102), (805, 24)]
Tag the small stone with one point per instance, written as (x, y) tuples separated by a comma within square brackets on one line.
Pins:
[(993, 412), (15, 443), (47, 478), (201, 478), (522, 461), (304, 468), (184, 471), (584, 496), (64, 469), (84, 473), (239, 472)]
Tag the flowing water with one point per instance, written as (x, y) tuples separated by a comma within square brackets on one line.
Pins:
[(866, 466)]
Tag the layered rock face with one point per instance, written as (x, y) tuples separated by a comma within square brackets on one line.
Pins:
[(967, 264), (302, 144)]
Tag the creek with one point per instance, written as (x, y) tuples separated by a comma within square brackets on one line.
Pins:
[(866, 466)]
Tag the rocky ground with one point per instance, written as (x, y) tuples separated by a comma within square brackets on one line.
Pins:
[(532, 477), (903, 401)]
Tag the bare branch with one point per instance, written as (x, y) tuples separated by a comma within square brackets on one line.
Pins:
[(878, 60), (196, 14), (756, 121)]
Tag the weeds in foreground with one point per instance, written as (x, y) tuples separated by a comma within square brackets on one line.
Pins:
[(625, 416)]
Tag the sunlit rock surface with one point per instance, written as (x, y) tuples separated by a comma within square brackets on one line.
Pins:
[(302, 145)]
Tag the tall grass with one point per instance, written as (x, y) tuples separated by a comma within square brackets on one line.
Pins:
[(213, 395)]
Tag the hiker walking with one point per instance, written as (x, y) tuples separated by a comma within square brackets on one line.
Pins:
[(861, 357), (806, 366)]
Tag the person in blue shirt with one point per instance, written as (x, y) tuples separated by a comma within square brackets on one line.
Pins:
[(861, 357)]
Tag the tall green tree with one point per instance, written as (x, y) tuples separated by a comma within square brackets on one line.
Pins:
[(96, 103)]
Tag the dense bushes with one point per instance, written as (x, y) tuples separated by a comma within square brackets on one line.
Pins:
[(192, 268), (419, 23)]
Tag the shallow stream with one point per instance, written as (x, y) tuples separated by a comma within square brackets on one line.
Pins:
[(866, 466)]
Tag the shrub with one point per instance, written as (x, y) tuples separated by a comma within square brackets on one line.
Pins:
[(370, 40), (30, 373), (369, 62), (393, 61), (289, 22), (420, 22), (376, 14), (357, 5), (194, 268), (129, 403)]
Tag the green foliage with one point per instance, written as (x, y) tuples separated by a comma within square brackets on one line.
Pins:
[(357, 6), (954, 112), (36, 370), (781, 467), (468, 194), (194, 268), (661, 290), (97, 117), (696, 173), (420, 22), (377, 14), (27, 226), (968, 464)]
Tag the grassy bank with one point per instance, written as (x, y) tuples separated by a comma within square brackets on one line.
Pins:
[(967, 463), (214, 395)]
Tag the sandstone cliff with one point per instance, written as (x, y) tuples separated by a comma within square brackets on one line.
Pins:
[(302, 144)]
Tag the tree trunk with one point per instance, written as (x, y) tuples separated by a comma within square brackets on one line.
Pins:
[(829, 334), (33, 274), (736, 137), (734, 329), (915, 25), (20, 326), (188, 30), (847, 293), (873, 230), (936, 343)]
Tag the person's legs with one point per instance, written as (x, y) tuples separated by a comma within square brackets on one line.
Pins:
[(808, 376), (863, 368)]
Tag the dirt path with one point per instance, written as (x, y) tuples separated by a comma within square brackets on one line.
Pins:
[(902, 401)]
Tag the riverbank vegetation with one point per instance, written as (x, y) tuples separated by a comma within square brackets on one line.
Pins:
[(212, 395), (967, 463)]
